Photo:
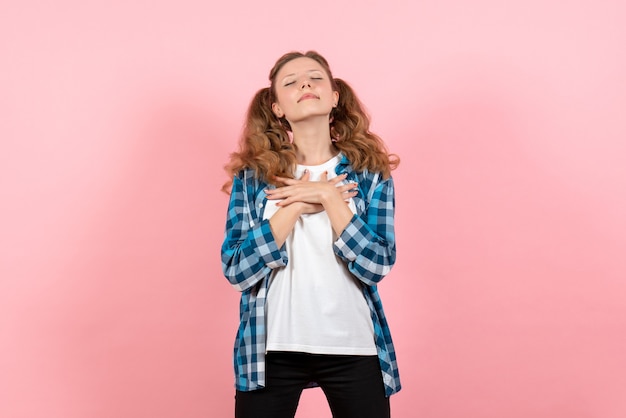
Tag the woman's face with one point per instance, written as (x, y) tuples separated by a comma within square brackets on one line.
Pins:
[(303, 91)]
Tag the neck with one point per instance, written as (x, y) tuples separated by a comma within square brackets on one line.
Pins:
[(314, 145)]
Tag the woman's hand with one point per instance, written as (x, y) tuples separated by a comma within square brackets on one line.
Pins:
[(305, 197), (315, 195)]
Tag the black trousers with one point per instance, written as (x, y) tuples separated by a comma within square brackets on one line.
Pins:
[(353, 386)]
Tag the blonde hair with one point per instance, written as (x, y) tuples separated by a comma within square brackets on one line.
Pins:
[(265, 145)]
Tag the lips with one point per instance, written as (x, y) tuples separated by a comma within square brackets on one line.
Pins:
[(307, 96)]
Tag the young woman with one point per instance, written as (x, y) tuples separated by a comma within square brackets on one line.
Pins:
[(309, 234)]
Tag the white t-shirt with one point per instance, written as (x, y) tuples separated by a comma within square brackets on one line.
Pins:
[(314, 304)]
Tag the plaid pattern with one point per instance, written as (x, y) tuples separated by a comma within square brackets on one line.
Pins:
[(249, 254)]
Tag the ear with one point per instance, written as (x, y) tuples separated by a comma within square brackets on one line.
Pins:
[(335, 98), (277, 110)]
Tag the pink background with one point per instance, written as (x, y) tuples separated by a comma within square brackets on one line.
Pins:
[(509, 296)]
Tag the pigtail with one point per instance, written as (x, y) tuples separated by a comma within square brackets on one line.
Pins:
[(264, 145), (350, 130)]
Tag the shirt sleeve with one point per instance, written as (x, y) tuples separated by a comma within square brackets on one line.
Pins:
[(368, 243), (249, 251)]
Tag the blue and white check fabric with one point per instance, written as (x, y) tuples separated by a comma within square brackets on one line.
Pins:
[(249, 254)]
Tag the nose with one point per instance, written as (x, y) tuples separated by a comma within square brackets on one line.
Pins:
[(305, 83)]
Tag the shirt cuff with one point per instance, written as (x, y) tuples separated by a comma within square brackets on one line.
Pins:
[(354, 239), (266, 247)]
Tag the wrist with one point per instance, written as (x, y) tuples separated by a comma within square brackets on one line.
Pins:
[(298, 207), (330, 198)]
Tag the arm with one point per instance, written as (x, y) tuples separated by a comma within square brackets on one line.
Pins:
[(249, 251), (283, 221), (367, 244)]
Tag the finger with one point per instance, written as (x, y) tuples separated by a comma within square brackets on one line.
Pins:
[(348, 187), (338, 178), (306, 176), (274, 192), (348, 195), (324, 176), (279, 193)]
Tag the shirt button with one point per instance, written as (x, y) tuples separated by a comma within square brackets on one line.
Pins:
[(260, 205)]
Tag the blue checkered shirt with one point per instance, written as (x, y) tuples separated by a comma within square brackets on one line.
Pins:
[(249, 254)]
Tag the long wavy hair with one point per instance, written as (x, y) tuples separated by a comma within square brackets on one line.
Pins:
[(266, 147)]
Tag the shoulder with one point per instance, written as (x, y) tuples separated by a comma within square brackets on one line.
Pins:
[(250, 184), (365, 177), (245, 174), (249, 178), (373, 179)]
